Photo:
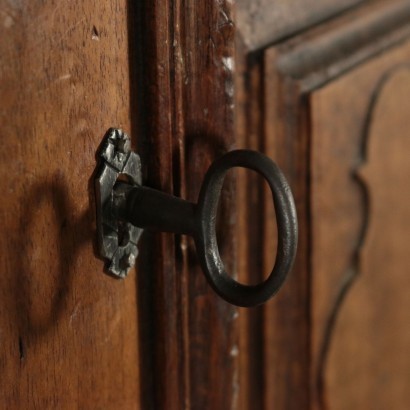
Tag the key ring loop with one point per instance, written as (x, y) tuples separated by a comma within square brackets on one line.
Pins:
[(205, 237), (125, 209)]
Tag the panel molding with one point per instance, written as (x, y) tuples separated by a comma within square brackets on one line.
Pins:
[(274, 88), (328, 52), (345, 150), (261, 23)]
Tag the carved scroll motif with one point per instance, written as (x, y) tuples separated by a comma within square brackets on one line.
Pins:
[(364, 360)]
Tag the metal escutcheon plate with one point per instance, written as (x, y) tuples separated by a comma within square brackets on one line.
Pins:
[(117, 241)]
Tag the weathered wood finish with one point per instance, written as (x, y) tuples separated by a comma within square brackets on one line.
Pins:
[(250, 196), (208, 126), (303, 65), (68, 332), (273, 338), (187, 82), (320, 104), (360, 168), (263, 22), (278, 87)]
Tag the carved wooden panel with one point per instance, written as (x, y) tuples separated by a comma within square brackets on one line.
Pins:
[(360, 168), (284, 110), (320, 104)]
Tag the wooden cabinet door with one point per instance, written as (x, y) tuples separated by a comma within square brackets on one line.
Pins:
[(68, 333), (330, 106), (70, 336), (321, 87)]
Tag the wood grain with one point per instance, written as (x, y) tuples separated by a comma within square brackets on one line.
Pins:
[(288, 77), (69, 334), (187, 120), (208, 89), (275, 371), (286, 319), (274, 337), (251, 221), (162, 328), (361, 261)]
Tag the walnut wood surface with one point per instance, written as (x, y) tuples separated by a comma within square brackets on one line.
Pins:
[(187, 86), (300, 73), (71, 336), (251, 220), (360, 168), (279, 87), (68, 332)]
